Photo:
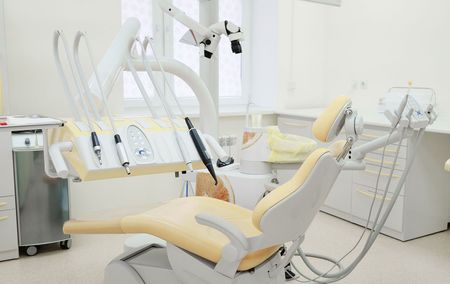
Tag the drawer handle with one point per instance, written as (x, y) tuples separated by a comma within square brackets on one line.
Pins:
[(380, 151), (3, 204), (382, 174), (3, 218), (378, 162), (301, 125), (372, 195)]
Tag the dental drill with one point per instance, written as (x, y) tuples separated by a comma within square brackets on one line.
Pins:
[(96, 147), (206, 38), (120, 148)]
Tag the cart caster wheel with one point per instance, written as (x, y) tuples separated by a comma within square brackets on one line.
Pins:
[(31, 250), (67, 244)]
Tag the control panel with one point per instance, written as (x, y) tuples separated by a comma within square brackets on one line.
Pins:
[(139, 144)]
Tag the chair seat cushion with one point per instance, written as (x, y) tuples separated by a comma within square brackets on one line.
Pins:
[(175, 222)]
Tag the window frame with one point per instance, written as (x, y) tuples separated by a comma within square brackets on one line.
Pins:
[(162, 27)]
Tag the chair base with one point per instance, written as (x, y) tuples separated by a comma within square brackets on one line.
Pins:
[(172, 265)]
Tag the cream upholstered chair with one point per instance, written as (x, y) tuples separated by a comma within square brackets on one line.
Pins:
[(234, 239)]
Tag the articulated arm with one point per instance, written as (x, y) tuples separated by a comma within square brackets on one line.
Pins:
[(206, 38)]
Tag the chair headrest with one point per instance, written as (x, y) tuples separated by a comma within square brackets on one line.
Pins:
[(328, 125)]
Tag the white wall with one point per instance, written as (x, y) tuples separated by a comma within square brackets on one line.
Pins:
[(34, 86), (263, 38), (385, 43), (301, 56)]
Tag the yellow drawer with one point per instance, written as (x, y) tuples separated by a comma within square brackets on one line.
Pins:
[(7, 203), (362, 199)]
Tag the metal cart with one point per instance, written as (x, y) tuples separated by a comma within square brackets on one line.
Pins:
[(42, 202)]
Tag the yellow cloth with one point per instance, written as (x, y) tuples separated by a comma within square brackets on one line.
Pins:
[(287, 148)]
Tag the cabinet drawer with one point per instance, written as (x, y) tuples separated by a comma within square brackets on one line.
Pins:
[(7, 203), (295, 126), (362, 199), (368, 178), (6, 163), (375, 160), (391, 151), (8, 230), (372, 134)]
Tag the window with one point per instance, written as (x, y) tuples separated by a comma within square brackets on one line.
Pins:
[(230, 71), (153, 21), (187, 54), (142, 10)]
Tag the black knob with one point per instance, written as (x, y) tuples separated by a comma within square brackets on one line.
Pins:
[(27, 141)]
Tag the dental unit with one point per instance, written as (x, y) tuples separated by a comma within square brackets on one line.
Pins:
[(211, 240)]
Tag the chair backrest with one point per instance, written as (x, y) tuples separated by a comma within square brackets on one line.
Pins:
[(286, 212)]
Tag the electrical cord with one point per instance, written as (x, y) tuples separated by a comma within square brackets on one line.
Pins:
[(379, 226), (338, 262), (333, 277), (171, 116)]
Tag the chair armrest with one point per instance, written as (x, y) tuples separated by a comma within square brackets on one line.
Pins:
[(232, 253), (237, 238)]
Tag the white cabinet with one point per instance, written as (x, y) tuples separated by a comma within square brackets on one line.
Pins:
[(8, 222), (424, 202)]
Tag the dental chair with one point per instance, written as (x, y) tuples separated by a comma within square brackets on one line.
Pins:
[(213, 241)]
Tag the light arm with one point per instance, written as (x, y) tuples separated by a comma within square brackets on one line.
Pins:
[(181, 17), (206, 38)]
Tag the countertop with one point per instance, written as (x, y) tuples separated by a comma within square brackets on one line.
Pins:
[(441, 125), (22, 122)]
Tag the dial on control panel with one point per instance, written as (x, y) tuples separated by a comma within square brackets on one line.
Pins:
[(140, 146)]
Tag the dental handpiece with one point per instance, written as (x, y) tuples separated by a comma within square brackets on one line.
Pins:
[(123, 157), (96, 146), (201, 149)]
